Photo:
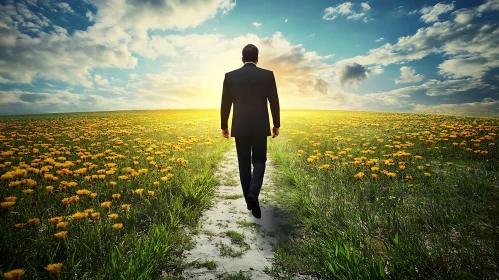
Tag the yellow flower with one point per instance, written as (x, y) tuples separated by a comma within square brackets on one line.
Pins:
[(391, 175), (14, 274), (374, 169), (113, 216), (49, 189), (402, 167), (420, 167), (93, 195), (7, 204), (359, 175), (56, 220), (427, 174), (116, 196), (19, 226), (112, 183), (79, 216), (83, 192), (34, 221), (54, 268), (151, 193), (61, 225), (96, 215), (449, 163), (27, 191), (89, 210), (125, 207), (156, 184), (106, 204), (118, 226), (61, 234), (11, 198), (139, 191), (374, 176)]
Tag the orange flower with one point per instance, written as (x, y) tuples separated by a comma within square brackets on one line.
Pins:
[(125, 207), (49, 189), (106, 204), (151, 193), (61, 225), (359, 175), (79, 216), (56, 220), (113, 216), (54, 268), (61, 234), (14, 274), (34, 221), (96, 215), (118, 226), (139, 191), (7, 204), (116, 196), (19, 226)]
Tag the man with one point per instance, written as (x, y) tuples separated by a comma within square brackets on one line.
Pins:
[(249, 88)]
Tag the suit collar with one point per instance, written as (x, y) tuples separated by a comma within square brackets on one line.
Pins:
[(250, 65)]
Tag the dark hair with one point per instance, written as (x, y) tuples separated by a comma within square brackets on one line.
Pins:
[(250, 53)]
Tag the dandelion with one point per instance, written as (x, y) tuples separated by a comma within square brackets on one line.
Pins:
[(56, 220), (34, 221), (125, 207), (116, 196), (420, 167), (54, 268), (83, 192), (139, 191), (449, 163), (61, 225), (374, 176), (151, 193), (79, 216), (28, 191), (113, 216), (11, 198), (19, 225), (426, 174), (93, 195), (391, 175), (7, 204), (61, 234), (96, 216), (118, 226), (14, 274), (359, 175), (106, 204), (49, 189), (112, 183)]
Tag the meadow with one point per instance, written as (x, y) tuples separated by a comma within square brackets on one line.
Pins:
[(103, 195), (386, 195), (367, 195)]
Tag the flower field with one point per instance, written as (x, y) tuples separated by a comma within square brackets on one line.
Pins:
[(371, 195), (103, 195), (379, 195)]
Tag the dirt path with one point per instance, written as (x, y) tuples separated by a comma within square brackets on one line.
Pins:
[(230, 241)]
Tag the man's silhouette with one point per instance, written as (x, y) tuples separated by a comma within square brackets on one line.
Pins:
[(249, 88)]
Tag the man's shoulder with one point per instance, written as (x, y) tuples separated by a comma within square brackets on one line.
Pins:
[(262, 70)]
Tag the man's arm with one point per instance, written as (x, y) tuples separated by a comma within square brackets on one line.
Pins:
[(226, 104), (274, 103)]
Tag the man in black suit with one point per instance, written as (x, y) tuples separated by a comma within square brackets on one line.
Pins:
[(249, 88)]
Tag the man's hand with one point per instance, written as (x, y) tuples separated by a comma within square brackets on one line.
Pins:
[(225, 133), (275, 132)]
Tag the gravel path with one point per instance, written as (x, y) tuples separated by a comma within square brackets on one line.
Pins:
[(230, 241)]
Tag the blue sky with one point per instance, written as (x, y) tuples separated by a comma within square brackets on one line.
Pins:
[(92, 55)]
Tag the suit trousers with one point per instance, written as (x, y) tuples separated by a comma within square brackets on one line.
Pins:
[(251, 149)]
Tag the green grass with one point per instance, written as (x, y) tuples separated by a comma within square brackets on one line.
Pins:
[(234, 276), (442, 226), (247, 224), (152, 238), (232, 196), (235, 237), (229, 251)]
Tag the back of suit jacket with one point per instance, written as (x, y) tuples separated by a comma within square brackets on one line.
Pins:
[(249, 88)]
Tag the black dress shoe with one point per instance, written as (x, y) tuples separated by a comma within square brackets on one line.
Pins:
[(255, 206)]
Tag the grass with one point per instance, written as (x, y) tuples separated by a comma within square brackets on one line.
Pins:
[(234, 276), (441, 224), (135, 145), (232, 196), (247, 224), (235, 237), (229, 251), (208, 264)]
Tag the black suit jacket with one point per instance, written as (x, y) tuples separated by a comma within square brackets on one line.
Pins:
[(249, 88)]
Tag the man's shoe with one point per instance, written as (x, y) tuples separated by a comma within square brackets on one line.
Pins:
[(255, 206), (247, 203)]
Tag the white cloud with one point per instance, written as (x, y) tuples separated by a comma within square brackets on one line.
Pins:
[(133, 76), (487, 107), (379, 40), (256, 24), (100, 80), (346, 9), (89, 15), (430, 14), (286, 20), (64, 7), (408, 75), (311, 35)]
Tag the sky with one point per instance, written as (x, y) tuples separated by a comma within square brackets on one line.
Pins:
[(380, 55)]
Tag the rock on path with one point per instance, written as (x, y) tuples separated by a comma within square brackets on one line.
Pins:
[(249, 254)]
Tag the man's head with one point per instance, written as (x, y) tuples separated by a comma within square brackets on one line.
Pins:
[(250, 53)]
